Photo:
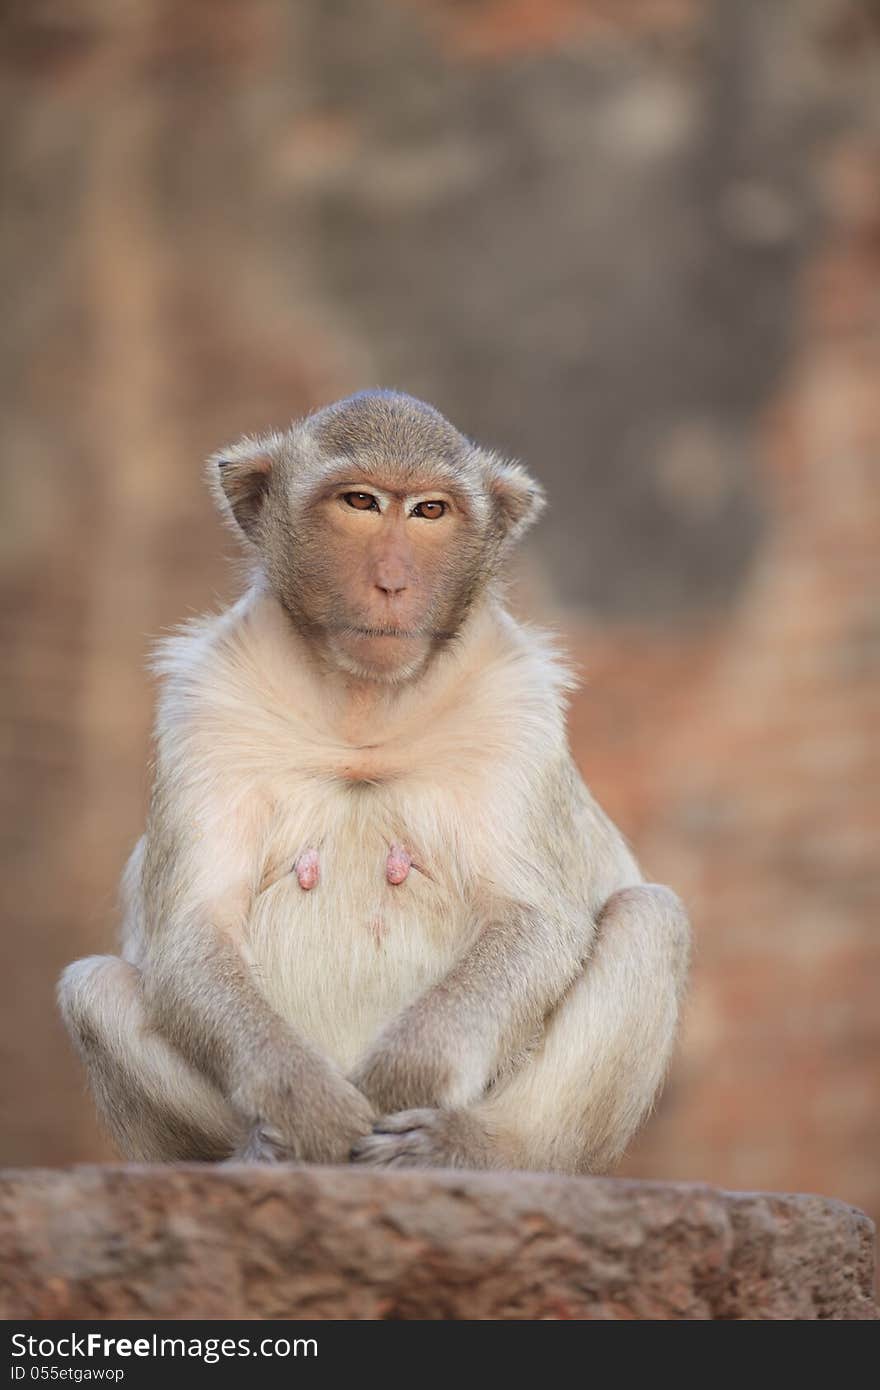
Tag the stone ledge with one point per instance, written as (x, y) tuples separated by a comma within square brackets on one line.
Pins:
[(194, 1241)]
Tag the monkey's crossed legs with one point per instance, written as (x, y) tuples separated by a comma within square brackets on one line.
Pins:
[(572, 1103)]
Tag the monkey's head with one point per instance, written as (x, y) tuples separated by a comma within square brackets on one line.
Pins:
[(377, 524)]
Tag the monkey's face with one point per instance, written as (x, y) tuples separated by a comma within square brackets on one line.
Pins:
[(377, 524), (385, 569)]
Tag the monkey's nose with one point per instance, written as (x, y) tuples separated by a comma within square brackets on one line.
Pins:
[(391, 588)]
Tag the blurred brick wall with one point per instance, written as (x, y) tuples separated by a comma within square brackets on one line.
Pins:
[(747, 767), (639, 244)]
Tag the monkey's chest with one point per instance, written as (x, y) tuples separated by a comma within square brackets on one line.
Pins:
[(344, 944)]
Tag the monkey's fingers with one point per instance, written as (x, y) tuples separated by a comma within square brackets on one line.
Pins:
[(409, 1139), (403, 1121)]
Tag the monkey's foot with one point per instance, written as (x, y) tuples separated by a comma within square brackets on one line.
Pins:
[(426, 1139), (260, 1146), (398, 864)]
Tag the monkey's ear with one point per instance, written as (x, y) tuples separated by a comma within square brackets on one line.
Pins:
[(518, 499), (239, 479)]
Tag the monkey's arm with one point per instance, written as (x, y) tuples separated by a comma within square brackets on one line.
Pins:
[(201, 994), (447, 1046), (531, 945)]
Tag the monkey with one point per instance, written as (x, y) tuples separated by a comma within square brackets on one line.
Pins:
[(376, 917)]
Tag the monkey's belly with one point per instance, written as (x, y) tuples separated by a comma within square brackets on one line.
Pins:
[(340, 960)]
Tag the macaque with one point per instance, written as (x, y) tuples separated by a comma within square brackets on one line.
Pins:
[(376, 916)]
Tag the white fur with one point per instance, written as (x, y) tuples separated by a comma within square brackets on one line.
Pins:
[(266, 771), (259, 758)]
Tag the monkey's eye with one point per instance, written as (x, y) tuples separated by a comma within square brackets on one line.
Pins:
[(431, 511), (361, 501)]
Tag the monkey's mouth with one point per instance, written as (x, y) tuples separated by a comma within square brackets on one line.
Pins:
[(366, 632), (403, 634), (381, 651), (383, 632)]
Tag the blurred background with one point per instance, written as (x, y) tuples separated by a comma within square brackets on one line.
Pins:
[(636, 243)]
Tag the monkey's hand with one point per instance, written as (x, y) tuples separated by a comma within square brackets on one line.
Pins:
[(428, 1139), (306, 1112)]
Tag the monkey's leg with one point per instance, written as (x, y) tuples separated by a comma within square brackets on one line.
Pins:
[(576, 1101), (156, 1107)]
